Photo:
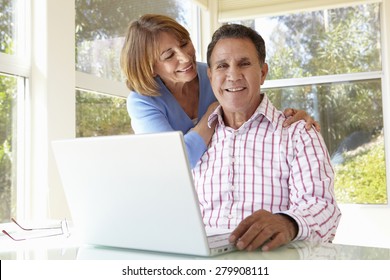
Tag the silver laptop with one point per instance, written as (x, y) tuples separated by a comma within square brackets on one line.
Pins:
[(136, 192)]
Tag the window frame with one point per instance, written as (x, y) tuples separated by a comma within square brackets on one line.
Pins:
[(52, 87)]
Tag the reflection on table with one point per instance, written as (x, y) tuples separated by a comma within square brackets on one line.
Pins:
[(295, 251), (61, 248)]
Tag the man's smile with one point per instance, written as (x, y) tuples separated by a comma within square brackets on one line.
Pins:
[(235, 89)]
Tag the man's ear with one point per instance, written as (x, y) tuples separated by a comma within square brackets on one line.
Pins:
[(264, 72)]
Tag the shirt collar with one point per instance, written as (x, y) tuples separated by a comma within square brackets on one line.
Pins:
[(265, 109)]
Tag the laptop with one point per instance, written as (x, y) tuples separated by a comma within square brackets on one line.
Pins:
[(135, 192)]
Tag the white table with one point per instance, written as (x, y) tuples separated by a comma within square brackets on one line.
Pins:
[(61, 248)]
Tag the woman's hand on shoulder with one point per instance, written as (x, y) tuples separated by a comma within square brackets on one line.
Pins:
[(212, 107), (294, 115)]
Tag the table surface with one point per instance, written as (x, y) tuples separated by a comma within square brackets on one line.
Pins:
[(62, 248)]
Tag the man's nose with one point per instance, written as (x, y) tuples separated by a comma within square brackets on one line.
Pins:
[(234, 73)]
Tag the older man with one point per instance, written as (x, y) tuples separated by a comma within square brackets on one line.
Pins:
[(268, 183)]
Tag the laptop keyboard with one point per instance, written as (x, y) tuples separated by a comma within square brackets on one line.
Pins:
[(218, 240)]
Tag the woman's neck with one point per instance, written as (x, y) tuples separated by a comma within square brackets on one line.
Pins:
[(187, 95)]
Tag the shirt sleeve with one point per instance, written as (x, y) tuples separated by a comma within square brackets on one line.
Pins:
[(148, 116), (312, 200)]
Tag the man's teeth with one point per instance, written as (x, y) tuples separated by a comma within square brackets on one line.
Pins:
[(235, 89)]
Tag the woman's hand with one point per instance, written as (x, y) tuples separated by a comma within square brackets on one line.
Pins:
[(294, 115), (203, 128)]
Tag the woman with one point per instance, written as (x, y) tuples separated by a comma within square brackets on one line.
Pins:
[(169, 89)]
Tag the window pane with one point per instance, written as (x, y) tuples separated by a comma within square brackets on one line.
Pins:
[(351, 121), (7, 26), (325, 42), (98, 114), (101, 25), (8, 161)]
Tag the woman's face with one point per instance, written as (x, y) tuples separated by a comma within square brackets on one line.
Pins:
[(176, 62)]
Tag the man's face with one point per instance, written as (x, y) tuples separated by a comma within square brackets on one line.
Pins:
[(236, 76)]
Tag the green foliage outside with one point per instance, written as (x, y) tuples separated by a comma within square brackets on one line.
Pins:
[(7, 149), (98, 114), (7, 101), (362, 177)]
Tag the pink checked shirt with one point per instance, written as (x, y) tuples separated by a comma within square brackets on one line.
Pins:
[(262, 165)]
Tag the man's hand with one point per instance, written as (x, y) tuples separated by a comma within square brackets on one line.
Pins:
[(264, 229)]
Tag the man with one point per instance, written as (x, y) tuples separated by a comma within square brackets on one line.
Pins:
[(271, 184)]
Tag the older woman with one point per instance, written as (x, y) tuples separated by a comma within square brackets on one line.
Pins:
[(169, 89)]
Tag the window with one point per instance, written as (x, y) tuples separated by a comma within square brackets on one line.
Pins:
[(101, 27), (8, 96), (96, 114), (100, 31), (329, 63), (12, 93)]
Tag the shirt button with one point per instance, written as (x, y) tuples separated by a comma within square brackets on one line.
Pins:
[(230, 216), (232, 188)]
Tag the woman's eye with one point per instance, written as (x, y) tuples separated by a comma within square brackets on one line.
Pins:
[(168, 56), (183, 43)]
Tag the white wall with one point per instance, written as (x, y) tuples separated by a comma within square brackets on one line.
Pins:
[(364, 225)]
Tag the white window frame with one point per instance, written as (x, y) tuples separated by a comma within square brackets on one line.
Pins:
[(52, 103)]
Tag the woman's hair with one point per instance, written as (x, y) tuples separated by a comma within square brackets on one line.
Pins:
[(140, 50)]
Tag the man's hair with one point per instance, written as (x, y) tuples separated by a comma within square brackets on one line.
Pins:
[(140, 50), (237, 31)]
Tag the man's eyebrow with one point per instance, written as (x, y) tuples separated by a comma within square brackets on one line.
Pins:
[(220, 61), (242, 59)]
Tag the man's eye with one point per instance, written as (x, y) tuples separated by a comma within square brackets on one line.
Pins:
[(245, 63), (221, 66)]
